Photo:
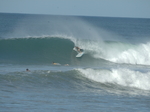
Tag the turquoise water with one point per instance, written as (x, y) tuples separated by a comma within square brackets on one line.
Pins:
[(112, 75)]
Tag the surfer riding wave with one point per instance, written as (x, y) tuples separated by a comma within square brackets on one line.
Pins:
[(79, 51)]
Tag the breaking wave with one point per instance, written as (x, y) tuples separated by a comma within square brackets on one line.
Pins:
[(47, 49)]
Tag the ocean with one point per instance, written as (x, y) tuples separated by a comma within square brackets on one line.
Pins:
[(113, 75)]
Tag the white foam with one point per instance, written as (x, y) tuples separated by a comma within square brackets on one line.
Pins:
[(123, 77), (118, 52), (138, 55)]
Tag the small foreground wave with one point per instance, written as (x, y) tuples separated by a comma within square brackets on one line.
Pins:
[(116, 81), (122, 77)]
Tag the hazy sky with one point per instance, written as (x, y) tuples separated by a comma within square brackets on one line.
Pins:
[(110, 8)]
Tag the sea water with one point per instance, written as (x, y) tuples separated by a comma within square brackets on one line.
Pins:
[(112, 75)]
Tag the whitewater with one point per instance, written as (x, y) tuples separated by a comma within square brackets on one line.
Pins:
[(112, 75)]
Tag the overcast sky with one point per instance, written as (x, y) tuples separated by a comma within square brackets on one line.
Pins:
[(109, 8)]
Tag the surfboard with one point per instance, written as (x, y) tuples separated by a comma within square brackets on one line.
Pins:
[(79, 54)]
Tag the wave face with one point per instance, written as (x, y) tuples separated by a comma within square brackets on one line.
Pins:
[(45, 50), (36, 50)]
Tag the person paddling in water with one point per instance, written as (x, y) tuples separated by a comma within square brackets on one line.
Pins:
[(27, 70), (56, 63)]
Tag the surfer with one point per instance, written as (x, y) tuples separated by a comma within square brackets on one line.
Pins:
[(66, 64), (59, 64), (27, 70), (56, 63), (78, 49)]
